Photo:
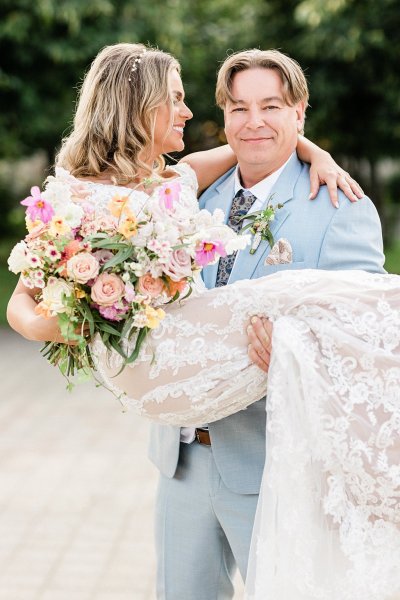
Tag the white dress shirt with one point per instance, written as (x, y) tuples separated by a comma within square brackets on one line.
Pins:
[(261, 191)]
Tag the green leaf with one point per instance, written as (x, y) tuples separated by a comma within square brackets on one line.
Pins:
[(104, 326), (139, 341), (122, 255)]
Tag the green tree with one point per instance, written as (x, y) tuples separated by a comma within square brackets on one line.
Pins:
[(47, 45), (350, 50)]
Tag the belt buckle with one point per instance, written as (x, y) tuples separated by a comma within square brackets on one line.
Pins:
[(199, 437)]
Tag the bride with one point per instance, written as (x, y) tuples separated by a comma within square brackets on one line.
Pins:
[(327, 524)]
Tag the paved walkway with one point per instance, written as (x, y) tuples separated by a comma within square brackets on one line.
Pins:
[(76, 489)]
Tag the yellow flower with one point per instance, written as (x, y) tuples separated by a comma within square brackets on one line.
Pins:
[(117, 205), (128, 227), (31, 225), (78, 293), (154, 316), (58, 226)]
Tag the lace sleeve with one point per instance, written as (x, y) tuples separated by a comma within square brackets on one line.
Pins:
[(194, 367), (186, 172)]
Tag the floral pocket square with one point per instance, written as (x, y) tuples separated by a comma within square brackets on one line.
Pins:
[(281, 253)]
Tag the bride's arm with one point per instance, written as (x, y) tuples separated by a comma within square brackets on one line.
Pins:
[(324, 170), (211, 164), (24, 320)]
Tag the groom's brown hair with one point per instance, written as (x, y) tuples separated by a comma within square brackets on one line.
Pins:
[(295, 87)]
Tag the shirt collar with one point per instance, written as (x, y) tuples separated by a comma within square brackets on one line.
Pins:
[(262, 189)]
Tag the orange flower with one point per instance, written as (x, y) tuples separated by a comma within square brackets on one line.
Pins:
[(71, 249), (129, 226), (117, 205), (176, 286)]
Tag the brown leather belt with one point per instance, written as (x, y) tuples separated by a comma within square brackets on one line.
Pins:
[(203, 436)]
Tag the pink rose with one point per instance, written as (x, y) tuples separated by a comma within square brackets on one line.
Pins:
[(103, 256), (82, 267), (107, 289), (150, 286), (179, 266)]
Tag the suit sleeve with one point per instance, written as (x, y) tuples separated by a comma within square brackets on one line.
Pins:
[(353, 239)]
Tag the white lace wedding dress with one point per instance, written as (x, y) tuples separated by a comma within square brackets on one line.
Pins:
[(328, 521)]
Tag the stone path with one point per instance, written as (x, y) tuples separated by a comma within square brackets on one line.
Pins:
[(76, 488)]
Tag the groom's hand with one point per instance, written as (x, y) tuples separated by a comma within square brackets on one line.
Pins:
[(260, 334)]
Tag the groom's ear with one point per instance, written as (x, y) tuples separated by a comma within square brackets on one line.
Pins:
[(300, 116)]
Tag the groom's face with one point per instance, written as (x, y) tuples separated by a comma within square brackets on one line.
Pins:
[(260, 126)]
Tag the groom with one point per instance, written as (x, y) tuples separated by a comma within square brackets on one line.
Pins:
[(210, 477)]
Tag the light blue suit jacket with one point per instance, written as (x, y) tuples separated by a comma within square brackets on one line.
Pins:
[(322, 237)]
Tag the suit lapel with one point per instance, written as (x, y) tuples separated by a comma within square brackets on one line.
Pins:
[(282, 193)]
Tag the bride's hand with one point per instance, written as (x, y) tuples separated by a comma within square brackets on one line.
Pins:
[(23, 318), (260, 334), (324, 170), (48, 330)]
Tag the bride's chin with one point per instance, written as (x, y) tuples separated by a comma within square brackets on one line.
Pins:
[(178, 147)]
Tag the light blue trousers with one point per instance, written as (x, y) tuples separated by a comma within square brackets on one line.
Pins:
[(203, 530)]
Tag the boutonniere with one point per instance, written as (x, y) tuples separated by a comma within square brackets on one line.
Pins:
[(259, 225)]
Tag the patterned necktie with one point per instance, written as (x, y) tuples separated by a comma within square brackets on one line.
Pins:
[(241, 205)]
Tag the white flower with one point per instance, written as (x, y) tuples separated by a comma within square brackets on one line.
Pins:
[(18, 259), (34, 260), (205, 219), (167, 231), (144, 233), (160, 247), (138, 268), (238, 243), (53, 294), (57, 193), (72, 213)]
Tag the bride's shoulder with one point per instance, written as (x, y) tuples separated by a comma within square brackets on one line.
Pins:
[(187, 174)]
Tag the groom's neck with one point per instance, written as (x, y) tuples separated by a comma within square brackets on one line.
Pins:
[(253, 173)]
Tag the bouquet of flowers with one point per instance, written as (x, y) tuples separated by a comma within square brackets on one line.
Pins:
[(109, 269)]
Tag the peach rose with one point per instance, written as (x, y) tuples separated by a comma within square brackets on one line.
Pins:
[(179, 266), (107, 289), (150, 286), (82, 267)]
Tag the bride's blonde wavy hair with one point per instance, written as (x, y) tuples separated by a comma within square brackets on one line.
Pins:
[(113, 128)]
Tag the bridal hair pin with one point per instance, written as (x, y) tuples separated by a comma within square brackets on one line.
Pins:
[(136, 62)]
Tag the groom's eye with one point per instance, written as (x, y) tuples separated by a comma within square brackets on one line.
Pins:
[(238, 109)]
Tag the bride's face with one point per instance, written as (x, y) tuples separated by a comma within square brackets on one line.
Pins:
[(169, 128)]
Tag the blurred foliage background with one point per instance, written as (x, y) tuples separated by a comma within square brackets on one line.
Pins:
[(349, 49)]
